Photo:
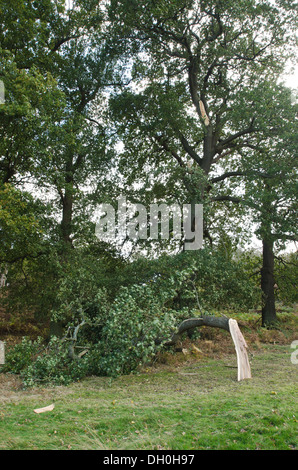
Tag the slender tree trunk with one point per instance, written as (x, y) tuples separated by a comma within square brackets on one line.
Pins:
[(267, 284), (67, 197), (66, 221), (67, 202)]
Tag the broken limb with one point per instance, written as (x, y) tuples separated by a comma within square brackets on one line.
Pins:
[(230, 325)]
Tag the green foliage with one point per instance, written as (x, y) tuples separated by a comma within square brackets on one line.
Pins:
[(286, 278), (136, 320), (53, 366), (86, 283), (127, 339), (21, 355), (218, 280), (33, 106), (37, 362), (21, 224)]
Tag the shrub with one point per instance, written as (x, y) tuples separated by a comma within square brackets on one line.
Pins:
[(39, 363), (136, 320), (127, 338), (21, 355), (54, 366)]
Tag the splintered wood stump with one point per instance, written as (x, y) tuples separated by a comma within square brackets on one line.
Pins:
[(244, 371)]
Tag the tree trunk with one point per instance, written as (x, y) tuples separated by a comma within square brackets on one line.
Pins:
[(67, 202), (57, 327), (67, 216), (244, 371), (267, 285)]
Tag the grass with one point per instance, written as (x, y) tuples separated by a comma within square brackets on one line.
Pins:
[(197, 404)]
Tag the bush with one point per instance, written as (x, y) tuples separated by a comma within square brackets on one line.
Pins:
[(54, 366), (136, 320), (126, 339), (21, 355), (39, 363), (286, 277)]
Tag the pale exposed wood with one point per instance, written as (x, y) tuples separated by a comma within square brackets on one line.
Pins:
[(46, 408), (244, 371), (204, 114)]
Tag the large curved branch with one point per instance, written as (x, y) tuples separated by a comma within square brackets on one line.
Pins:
[(205, 320)]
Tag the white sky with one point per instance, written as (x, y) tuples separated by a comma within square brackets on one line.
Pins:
[(292, 79)]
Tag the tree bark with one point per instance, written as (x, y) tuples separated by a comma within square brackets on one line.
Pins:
[(205, 320), (67, 216), (67, 198), (267, 285)]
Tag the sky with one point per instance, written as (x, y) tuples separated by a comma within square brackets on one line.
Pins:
[(292, 79)]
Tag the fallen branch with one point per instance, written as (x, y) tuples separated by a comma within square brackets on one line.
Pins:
[(73, 339), (43, 410), (191, 323), (230, 325)]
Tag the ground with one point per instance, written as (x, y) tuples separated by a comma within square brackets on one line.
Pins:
[(185, 399)]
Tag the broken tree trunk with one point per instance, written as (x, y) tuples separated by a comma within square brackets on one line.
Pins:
[(244, 371), (230, 325)]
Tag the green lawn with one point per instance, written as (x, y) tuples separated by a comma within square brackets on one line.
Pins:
[(197, 405)]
